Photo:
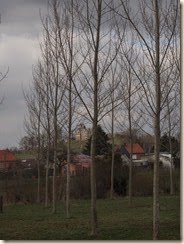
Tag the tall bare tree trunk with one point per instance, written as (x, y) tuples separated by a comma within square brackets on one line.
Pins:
[(93, 181), (54, 167), (93, 150), (171, 167), (130, 139), (46, 179), (131, 160), (69, 150), (156, 202), (55, 138), (39, 144), (48, 118), (95, 122), (47, 171), (70, 79), (112, 161), (55, 129), (171, 151), (54, 187), (38, 170)]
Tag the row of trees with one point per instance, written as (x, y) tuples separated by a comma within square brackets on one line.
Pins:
[(105, 62)]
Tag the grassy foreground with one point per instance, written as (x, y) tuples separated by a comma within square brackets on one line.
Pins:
[(116, 220)]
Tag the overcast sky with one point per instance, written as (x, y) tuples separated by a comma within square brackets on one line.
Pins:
[(20, 29), (19, 49)]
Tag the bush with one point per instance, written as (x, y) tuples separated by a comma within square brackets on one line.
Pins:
[(103, 172), (80, 186), (120, 186), (165, 181), (22, 187), (142, 182)]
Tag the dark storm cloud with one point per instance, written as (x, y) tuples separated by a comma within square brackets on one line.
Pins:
[(19, 49)]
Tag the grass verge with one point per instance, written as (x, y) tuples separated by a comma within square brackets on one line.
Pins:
[(116, 220)]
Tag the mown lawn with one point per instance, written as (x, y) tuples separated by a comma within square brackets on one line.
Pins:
[(116, 220)]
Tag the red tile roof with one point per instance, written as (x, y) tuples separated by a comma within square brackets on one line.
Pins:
[(81, 158), (6, 155), (137, 149)]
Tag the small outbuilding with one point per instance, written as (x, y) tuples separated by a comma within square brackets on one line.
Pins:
[(137, 151), (7, 159)]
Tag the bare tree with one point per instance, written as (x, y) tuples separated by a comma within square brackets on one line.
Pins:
[(60, 22), (98, 50), (128, 54), (33, 122), (56, 83), (65, 23), (170, 124), (47, 111), (114, 82), (154, 20), (171, 119)]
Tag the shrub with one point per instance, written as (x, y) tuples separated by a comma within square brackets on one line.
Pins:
[(103, 169), (142, 182), (80, 186), (165, 181)]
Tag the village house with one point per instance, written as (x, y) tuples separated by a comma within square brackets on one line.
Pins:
[(137, 154), (7, 159), (79, 164), (140, 158), (165, 159), (137, 151)]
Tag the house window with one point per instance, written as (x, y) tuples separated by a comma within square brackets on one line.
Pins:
[(134, 156)]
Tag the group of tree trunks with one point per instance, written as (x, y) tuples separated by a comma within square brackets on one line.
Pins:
[(98, 57)]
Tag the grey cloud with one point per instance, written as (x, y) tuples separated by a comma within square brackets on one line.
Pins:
[(20, 16), (12, 129), (18, 50), (6, 4)]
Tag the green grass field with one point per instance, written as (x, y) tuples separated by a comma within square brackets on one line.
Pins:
[(116, 220)]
